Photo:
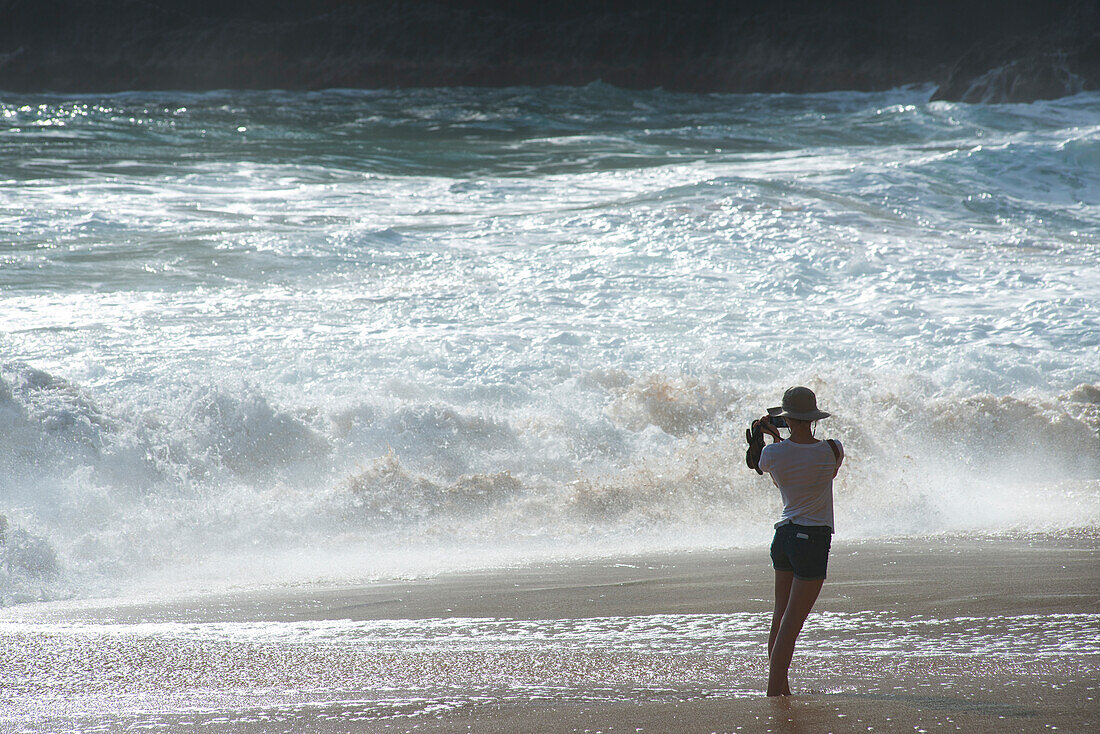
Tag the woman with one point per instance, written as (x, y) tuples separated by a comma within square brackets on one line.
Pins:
[(803, 468)]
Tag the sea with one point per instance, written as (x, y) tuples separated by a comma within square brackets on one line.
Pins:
[(267, 337), (270, 342)]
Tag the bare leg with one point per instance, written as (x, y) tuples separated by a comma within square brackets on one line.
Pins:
[(782, 594), (801, 601)]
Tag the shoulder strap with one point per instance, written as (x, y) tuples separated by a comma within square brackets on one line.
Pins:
[(755, 437), (836, 450)]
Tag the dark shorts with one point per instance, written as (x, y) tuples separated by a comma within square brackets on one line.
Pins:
[(803, 549)]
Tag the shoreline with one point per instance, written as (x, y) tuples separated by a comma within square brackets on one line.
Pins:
[(948, 575), (935, 634)]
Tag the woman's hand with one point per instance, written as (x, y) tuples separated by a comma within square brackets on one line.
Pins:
[(766, 425)]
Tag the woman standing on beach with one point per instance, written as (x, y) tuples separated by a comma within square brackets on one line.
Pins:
[(803, 468)]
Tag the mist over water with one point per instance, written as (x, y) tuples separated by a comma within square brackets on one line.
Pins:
[(265, 337)]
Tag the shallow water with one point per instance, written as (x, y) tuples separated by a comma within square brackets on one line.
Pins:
[(171, 674), (255, 337)]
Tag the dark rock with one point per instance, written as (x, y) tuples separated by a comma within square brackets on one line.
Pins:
[(1036, 77), (1062, 58), (977, 50)]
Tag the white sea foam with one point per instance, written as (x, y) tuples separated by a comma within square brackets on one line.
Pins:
[(488, 324)]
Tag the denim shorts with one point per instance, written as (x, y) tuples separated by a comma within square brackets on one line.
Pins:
[(803, 549)]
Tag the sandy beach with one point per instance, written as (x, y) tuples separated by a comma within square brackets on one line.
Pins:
[(936, 634)]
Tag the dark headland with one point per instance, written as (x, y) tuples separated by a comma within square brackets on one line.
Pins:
[(974, 50)]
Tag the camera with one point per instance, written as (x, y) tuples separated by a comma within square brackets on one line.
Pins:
[(779, 422)]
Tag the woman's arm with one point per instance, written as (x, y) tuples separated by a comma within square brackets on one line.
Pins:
[(839, 455)]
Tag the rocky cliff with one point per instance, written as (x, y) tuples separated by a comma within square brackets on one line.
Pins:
[(975, 50)]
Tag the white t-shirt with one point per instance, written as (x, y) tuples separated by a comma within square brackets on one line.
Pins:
[(804, 474)]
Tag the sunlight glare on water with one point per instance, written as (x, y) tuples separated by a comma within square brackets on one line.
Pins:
[(396, 668)]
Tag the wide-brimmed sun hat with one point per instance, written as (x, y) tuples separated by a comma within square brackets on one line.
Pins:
[(799, 403)]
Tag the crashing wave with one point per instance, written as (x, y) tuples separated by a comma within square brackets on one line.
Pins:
[(90, 493), (28, 565), (678, 406), (1024, 80), (388, 491)]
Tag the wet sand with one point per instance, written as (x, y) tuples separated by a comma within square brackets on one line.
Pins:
[(948, 576), (926, 677)]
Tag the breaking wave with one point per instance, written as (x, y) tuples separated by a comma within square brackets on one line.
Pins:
[(95, 490)]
